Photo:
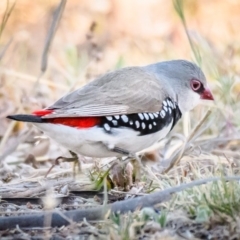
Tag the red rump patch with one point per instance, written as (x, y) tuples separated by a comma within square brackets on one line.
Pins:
[(43, 112), (78, 122)]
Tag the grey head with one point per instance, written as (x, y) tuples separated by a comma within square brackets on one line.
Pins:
[(186, 80)]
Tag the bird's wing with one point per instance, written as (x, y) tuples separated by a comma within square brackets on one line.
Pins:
[(125, 91)]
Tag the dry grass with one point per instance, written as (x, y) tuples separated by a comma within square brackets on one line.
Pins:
[(92, 38)]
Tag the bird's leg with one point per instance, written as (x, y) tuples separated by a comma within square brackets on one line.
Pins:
[(74, 159), (122, 174), (137, 163), (122, 151), (76, 164)]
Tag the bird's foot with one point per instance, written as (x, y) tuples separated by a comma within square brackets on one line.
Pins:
[(74, 159), (122, 174), (137, 164)]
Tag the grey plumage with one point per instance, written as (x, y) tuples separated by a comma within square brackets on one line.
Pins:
[(128, 90), (113, 94)]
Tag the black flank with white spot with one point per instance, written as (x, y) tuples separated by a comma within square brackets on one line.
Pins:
[(145, 123)]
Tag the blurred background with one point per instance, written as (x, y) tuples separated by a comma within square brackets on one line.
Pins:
[(95, 36)]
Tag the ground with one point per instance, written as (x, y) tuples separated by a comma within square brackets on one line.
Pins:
[(92, 38)]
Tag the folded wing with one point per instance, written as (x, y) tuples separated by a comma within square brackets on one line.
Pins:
[(124, 91)]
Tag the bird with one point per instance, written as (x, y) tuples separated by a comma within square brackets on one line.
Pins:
[(124, 111)]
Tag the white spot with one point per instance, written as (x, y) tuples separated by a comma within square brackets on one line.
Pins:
[(131, 122), (164, 103), (117, 117), (146, 116), (141, 116), (124, 118), (170, 110), (110, 146), (151, 115), (115, 123), (162, 113), (109, 118), (174, 105), (169, 103), (154, 123), (143, 125), (137, 124), (155, 114), (165, 108), (106, 127), (150, 126)]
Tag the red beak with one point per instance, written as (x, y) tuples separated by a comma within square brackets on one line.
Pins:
[(207, 95)]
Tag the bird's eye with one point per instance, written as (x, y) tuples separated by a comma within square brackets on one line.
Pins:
[(196, 85)]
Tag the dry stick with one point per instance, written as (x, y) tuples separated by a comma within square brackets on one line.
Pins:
[(56, 18), (178, 5), (55, 23), (229, 153), (98, 213), (5, 49), (35, 191), (31, 78), (14, 146), (190, 137), (9, 131), (197, 128), (6, 16), (51, 33)]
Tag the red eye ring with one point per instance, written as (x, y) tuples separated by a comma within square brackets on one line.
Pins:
[(196, 85)]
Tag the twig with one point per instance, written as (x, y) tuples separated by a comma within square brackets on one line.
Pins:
[(98, 213), (6, 16), (179, 153), (5, 49), (31, 78), (178, 5), (53, 28), (51, 33), (34, 191), (14, 146), (198, 126), (56, 18), (229, 153)]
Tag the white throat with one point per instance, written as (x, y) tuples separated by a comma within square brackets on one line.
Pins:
[(188, 101)]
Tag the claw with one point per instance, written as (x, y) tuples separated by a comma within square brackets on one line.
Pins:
[(74, 159)]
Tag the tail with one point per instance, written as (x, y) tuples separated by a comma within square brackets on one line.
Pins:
[(26, 118)]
